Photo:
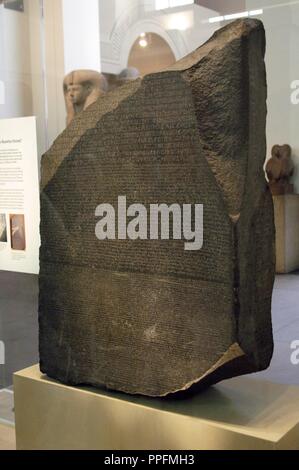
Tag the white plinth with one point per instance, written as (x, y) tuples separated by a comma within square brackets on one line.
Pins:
[(287, 232), (237, 414)]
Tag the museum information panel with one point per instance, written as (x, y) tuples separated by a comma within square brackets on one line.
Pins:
[(19, 196)]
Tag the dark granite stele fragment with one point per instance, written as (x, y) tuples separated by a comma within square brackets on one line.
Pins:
[(147, 317)]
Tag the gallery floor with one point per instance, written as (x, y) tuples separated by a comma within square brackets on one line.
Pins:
[(19, 331)]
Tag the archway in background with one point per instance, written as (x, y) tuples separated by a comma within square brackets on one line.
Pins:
[(154, 56)]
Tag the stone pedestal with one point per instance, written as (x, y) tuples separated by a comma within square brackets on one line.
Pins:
[(238, 414), (287, 232)]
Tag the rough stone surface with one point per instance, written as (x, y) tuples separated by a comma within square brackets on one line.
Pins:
[(148, 317)]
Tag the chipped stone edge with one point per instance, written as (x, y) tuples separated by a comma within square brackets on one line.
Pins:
[(233, 352)]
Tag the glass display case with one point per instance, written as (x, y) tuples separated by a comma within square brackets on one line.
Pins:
[(42, 42)]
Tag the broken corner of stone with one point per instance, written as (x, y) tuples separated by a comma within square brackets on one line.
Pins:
[(145, 316)]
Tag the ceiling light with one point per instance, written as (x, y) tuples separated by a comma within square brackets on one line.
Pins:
[(162, 4), (165, 4), (234, 16), (256, 12), (143, 43), (179, 21), (180, 3), (216, 19)]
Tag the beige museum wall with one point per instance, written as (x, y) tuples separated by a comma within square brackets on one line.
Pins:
[(15, 64), (32, 67), (21, 67)]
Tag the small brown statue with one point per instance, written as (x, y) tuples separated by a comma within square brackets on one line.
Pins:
[(82, 88), (279, 170)]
